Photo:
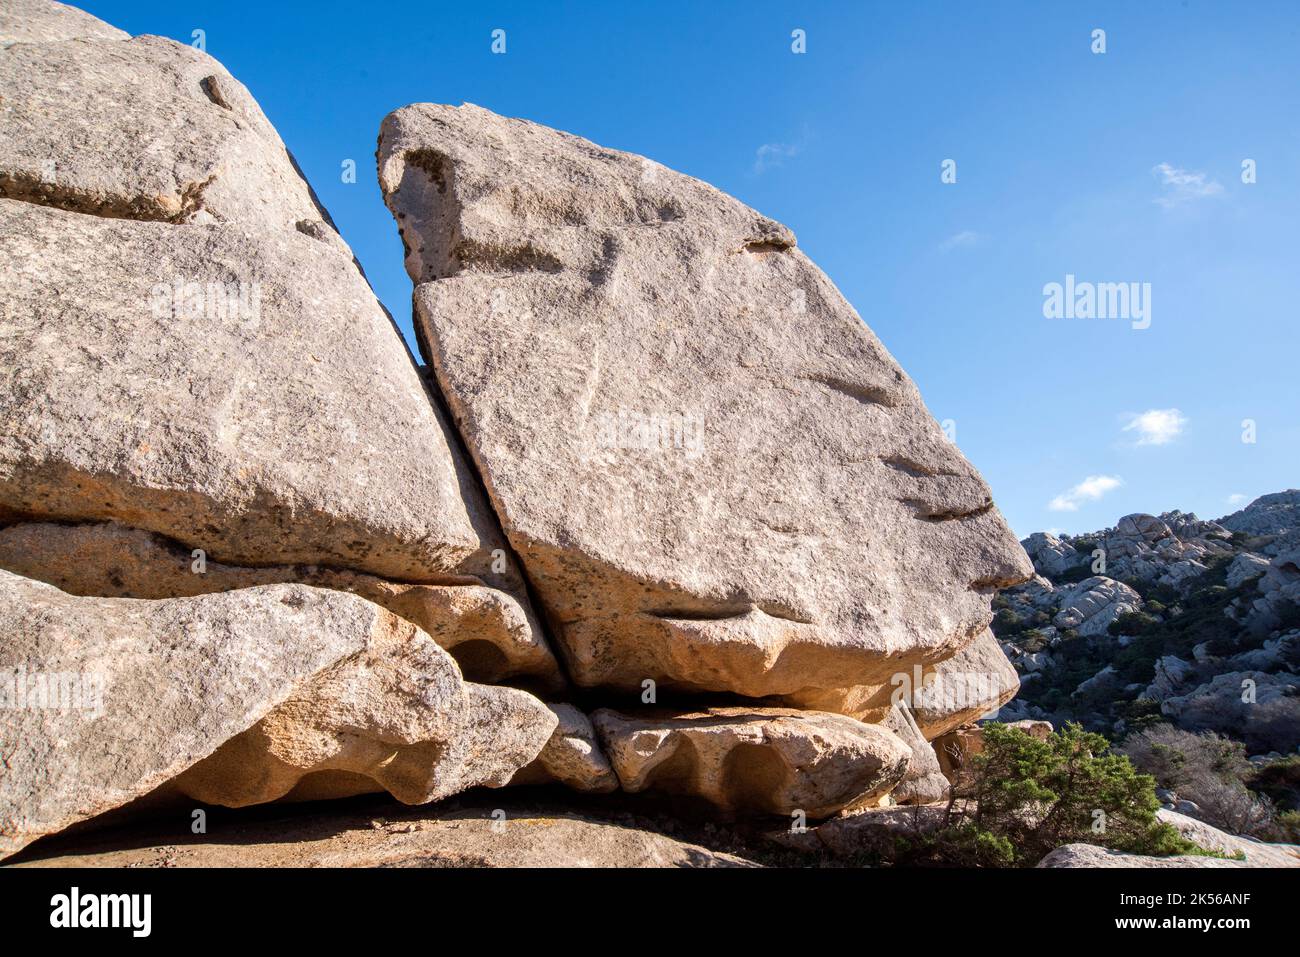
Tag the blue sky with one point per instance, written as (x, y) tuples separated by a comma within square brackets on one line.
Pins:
[(1123, 166)]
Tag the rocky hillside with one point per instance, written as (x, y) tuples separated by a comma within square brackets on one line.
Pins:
[(1165, 618)]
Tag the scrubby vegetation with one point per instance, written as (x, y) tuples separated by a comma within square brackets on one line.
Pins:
[(1213, 773), (1022, 797)]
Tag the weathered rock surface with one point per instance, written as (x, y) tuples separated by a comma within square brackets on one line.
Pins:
[(108, 698), (755, 760), (300, 433), (1240, 851), (27, 21), (1090, 855), (409, 837), (713, 471), (868, 835), (397, 715), (201, 357), (974, 683), (146, 129), (1276, 515), (1090, 606), (924, 782), (490, 634), (572, 757)]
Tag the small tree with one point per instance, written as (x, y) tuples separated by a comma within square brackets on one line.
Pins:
[(1020, 798)]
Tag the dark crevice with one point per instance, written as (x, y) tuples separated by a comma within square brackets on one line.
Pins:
[(864, 392), (915, 469), (929, 512), (211, 86), (542, 615)]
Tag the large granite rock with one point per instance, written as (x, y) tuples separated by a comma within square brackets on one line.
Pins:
[(924, 782), (492, 636), (107, 698), (201, 357), (397, 716), (572, 757), (1238, 851), (755, 760), (146, 129), (1090, 606), (972, 684), (715, 474)]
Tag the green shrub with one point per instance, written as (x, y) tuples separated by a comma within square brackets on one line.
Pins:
[(1021, 798)]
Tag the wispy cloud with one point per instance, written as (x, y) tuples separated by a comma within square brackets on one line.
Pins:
[(1089, 490), (1156, 426), (773, 154), (967, 237), (1236, 498), (1183, 185)]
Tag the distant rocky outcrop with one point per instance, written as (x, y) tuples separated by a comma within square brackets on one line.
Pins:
[(1168, 618)]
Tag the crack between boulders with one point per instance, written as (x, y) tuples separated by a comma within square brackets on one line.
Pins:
[(433, 388)]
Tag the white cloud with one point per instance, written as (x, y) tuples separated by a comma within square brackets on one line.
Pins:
[(1089, 490), (1183, 185), (773, 154), (1156, 426), (966, 237), (1236, 498)]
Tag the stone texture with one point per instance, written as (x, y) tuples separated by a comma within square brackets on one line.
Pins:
[(1256, 853), (300, 433), (973, 684), (1090, 606), (866, 836), (1241, 851), (1050, 555), (406, 837), (1090, 855), (398, 715), (201, 357), (28, 21), (175, 679), (754, 760), (146, 129), (715, 474), (490, 634), (924, 782), (572, 757)]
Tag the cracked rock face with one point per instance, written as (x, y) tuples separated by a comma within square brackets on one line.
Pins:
[(296, 431), (715, 474), (107, 698), (755, 760), (193, 350), (489, 633)]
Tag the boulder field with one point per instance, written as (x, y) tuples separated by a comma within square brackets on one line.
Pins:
[(658, 512)]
